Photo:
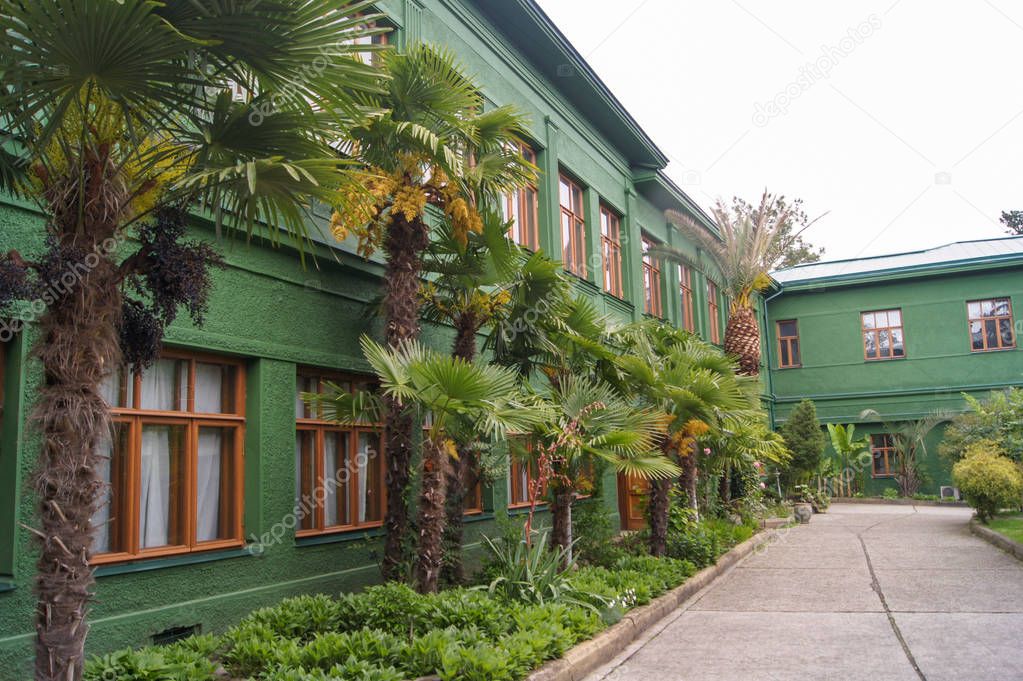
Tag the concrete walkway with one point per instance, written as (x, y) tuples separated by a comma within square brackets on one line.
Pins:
[(871, 592)]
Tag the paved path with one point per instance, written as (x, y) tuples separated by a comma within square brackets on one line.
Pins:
[(871, 592)]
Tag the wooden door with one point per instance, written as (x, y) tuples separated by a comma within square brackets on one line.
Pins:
[(632, 501)]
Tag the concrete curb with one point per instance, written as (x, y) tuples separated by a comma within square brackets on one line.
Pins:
[(881, 501), (1013, 548), (590, 655)]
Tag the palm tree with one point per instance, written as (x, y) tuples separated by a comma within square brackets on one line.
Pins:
[(848, 449), (695, 385), (119, 115), (591, 422), (470, 291), (429, 143), (461, 401), (910, 441), (749, 244)]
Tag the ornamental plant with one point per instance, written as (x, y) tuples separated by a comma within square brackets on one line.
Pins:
[(988, 480)]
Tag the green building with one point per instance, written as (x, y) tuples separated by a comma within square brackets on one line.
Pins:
[(211, 455), (905, 335)]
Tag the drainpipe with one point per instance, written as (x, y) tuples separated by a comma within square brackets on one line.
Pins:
[(770, 378)]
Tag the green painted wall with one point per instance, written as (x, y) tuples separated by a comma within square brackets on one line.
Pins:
[(276, 315), (939, 365)]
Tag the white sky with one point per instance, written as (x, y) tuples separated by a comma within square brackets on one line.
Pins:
[(912, 140)]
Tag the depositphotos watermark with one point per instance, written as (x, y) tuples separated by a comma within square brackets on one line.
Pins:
[(812, 72), (58, 288)]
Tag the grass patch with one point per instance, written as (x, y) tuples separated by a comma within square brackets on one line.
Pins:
[(1009, 525)]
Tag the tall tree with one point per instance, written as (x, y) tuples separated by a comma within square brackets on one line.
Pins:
[(429, 143), (751, 241), (118, 116), (804, 439), (1013, 221), (462, 401)]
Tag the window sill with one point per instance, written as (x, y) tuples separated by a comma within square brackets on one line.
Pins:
[(523, 509), (145, 565), (477, 517), (791, 366), (340, 537), (987, 350), (883, 359)]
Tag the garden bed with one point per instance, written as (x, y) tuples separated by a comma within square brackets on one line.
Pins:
[(896, 501), (391, 633), (1005, 532)]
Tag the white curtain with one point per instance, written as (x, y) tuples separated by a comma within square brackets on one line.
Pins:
[(101, 520), (154, 508), (208, 394), (162, 390), (331, 465)]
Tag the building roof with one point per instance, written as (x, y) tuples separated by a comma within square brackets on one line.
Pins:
[(950, 256), (528, 27)]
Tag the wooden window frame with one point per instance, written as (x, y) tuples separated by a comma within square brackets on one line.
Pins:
[(321, 428), (685, 290), (788, 342), (887, 450), (611, 251), (573, 235), (876, 330), (521, 199), (653, 303), (970, 319), (515, 490), (713, 312), (127, 497)]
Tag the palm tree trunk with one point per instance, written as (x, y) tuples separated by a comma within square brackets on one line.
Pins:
[(561, 518), (689, 477), (431, 516), (725, 485), (78, 345), (742, 340), (403, 245), (659, 500), (466, 328)]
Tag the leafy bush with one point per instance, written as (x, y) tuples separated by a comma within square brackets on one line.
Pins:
[(302, 617), (890, 493), (532, 573), (999, 418), (988, 480), (689, 539), (173, 663), (394, 608), (596, 533)]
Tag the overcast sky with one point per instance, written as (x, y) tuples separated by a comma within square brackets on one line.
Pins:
[(903, 118)]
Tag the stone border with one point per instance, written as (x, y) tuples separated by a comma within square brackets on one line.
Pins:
[(1013, 548), (881, 501), (590, 655)]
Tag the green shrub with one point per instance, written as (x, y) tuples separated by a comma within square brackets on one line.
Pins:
[(890, 493), (150, 664), (595, 534), (689, 539), (350, 671), (395, 608), (301, 617), (533, 573), (988, 480)]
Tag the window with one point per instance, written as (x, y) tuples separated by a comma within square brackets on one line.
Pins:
[(339, 481), (685, 289), (611, 247), (380, 39), (990, 324), (573, 227), (520, 208), (651, 281), (173, 461), (521, 474), (882, 335), (713, 312), (882, 448), (788, 344)]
